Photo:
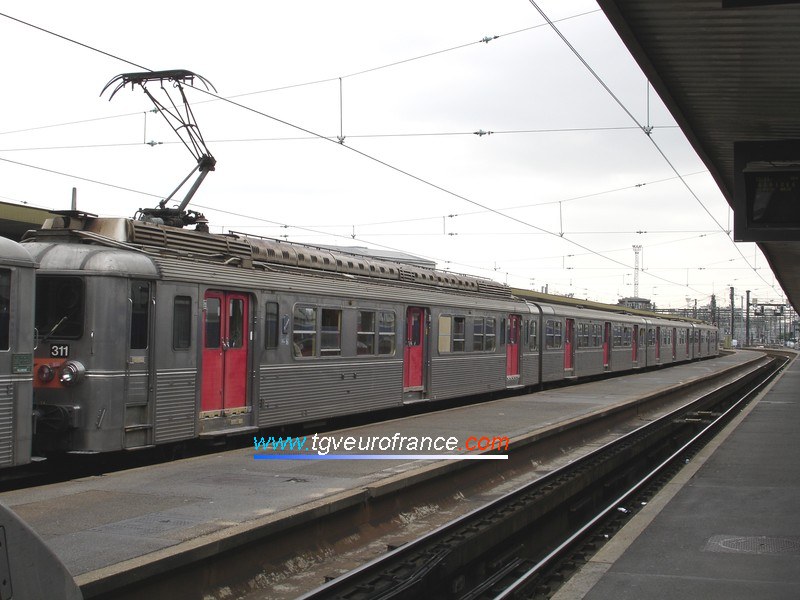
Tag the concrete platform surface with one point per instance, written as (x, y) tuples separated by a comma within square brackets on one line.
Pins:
[(98, 523), (731, 530)]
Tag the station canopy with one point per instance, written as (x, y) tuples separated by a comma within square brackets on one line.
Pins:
[(728, 72)]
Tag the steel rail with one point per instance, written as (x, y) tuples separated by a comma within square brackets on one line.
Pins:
[(700, 438), (417, 559)]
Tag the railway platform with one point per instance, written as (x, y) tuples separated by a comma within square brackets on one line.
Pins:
[(134, 524), (728, 526)]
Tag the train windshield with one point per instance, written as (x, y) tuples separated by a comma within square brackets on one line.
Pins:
[(59, 307)]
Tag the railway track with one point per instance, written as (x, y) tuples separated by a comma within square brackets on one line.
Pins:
[(525, 543)]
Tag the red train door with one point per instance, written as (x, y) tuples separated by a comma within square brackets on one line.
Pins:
[(569, 345), (512, 347), (607, 345), (414, 353), (226, 341), (635, 345)]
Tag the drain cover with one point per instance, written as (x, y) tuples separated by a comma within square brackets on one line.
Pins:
[(754, 544)]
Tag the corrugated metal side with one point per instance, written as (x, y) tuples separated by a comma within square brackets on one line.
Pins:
[(621, 358), (175, 405), (6, 421), (137, 388), (588, 362), (553, 365), (254, 279), (530, 369), (465, 374), (294, 393)]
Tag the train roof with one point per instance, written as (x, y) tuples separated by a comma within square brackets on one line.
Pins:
[(74, 258), (127, 247), (15, 254), (150, 250), (539, 298), (245, 251)]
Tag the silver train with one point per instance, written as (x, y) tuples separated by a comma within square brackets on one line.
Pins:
[(16, 353), (147, 334)]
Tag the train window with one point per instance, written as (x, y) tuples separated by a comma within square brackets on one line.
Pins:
[(597, 335), (236, 323), (477, 334), (211, 307), (182, 323), (331, 332), (627, 337), (502, 332), (513, 331), (533, 337), (459, 334), (583, 335), (305, 331), (490, 335), (553, 337), (651, 337), (445, 333), (414, 328), (5, 308), (386, 333), (59, 307), (271, 325), (140, 305), (616, 336), (365, 333)]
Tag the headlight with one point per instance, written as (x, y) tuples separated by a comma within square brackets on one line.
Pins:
[(45, 373), (71, 372)]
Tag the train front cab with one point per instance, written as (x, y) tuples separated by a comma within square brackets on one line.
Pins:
[(93, 359), (16, 353)]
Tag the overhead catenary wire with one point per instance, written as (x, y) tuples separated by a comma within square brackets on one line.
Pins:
[(328, 137), (80, 178), (352, 149), (377, 160), (643, 128), (313, 231), (396, 63)]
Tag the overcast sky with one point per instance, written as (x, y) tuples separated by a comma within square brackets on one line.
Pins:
[(574, 182)]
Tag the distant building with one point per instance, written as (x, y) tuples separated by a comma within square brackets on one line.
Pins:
[(637, 303)]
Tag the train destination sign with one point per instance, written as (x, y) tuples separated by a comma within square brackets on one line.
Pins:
[(767, 191)]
